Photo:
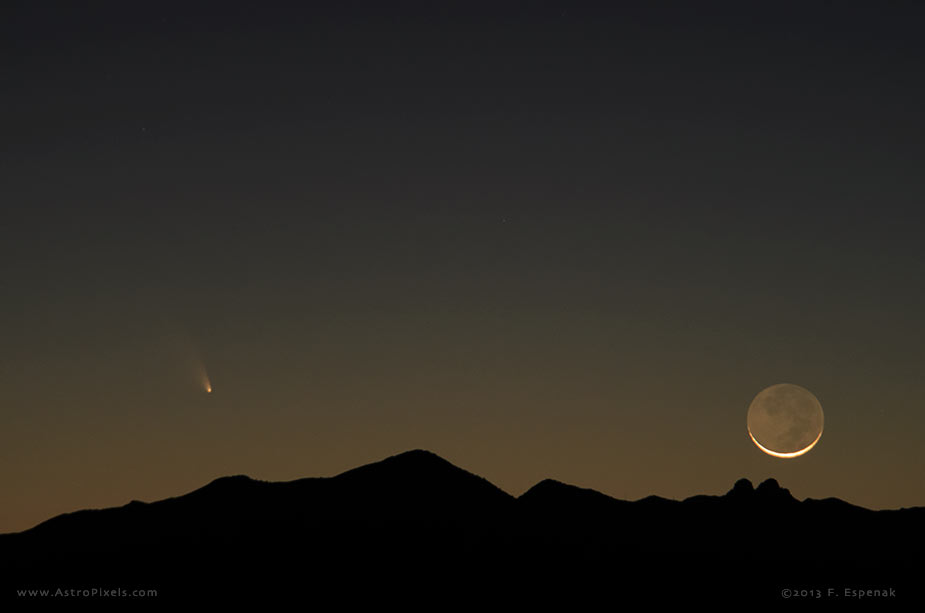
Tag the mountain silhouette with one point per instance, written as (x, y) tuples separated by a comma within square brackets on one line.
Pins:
[(414, 529)]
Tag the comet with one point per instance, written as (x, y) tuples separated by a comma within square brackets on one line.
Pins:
[(206, 383), (193, 365)]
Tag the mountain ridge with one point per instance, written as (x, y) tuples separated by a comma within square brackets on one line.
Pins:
[(768, 488), (417, 515)]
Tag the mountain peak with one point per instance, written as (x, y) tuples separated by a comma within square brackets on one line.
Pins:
[(560, 499), (771, 491), (741, 489), (546, 484), (427, 479), (415, 461), (417, 455), (768, 485), (768, 491)]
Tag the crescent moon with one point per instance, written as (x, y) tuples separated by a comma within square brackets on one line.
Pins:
[(792, 454), (785, 420)]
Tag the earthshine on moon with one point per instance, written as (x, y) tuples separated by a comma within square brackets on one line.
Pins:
[(785, 420)]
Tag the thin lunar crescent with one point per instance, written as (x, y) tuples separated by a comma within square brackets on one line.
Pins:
[(785, 420), (794, 454)]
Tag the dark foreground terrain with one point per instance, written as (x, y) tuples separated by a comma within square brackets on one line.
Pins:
[(418, 531)]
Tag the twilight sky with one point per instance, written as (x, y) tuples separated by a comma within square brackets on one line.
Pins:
[(541, 239)]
